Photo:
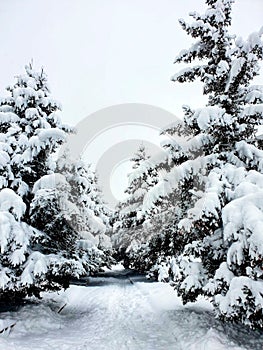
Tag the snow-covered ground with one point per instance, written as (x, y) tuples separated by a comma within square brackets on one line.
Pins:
[(121, 311)]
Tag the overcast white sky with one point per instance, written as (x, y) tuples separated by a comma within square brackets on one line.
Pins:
[(99, 53)]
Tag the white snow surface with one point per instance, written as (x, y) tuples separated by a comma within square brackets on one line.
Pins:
[(114, 313)]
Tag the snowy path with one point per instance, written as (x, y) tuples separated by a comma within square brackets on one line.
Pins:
[(114, 313)]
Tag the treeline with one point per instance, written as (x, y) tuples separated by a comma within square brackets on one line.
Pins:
[(194, 217)]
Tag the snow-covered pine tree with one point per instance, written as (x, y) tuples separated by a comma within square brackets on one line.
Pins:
[(224, 254), (128, 228), (36, 132), (30, 132), (130, 207), (54, 211), (81, 192), (92, 216), (180, 144), (102, 211)]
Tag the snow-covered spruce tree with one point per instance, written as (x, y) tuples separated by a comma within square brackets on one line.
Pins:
[(128, 229), (92, 215), (157, 252), (54, 211), (130, 207), (30, 132), (223, 257), (34, 131)]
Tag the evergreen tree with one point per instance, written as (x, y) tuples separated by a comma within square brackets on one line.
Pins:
[(92, 215), (128, 227), (83, 192), (229, 247), (160, 229), (31, 260), (216, 191), (54, 211), (130, 207), (32, 124)]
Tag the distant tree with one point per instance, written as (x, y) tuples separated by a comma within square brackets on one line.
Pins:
[(131, 206), (92, 217), (128, 222)]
